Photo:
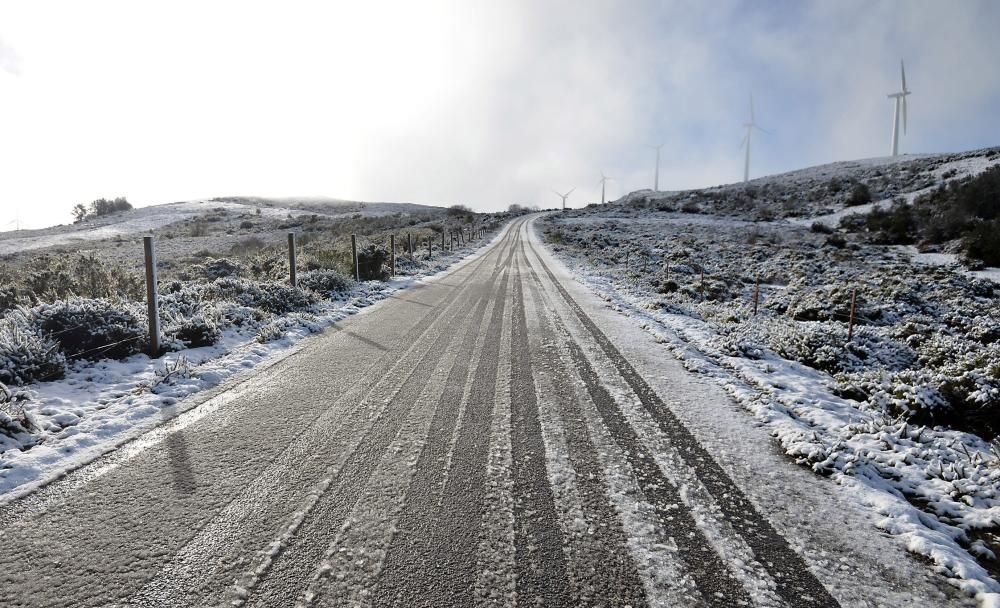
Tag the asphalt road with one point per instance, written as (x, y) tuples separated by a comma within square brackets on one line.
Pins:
[(475, 441)]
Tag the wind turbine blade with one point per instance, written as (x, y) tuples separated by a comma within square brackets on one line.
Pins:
[(761, 130), (902, 73), (570, 192), (752, 119), (744, 142)]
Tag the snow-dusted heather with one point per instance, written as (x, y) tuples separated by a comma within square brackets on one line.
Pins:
[(901, 416), (824, 192), (50, 427)]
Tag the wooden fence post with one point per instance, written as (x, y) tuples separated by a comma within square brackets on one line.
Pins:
[(354, 256), (152, 297), (392, 255), (409, 246), (292, 278), (850, 321), (442, 240)]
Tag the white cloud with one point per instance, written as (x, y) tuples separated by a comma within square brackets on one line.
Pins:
[(484, 103)]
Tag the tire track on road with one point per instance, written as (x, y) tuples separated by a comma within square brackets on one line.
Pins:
[(599, 555), (540, 562), (449, 579), (210, 557), (288, 576), (715, 582), (796, 585)]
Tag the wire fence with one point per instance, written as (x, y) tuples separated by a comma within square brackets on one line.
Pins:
[(445, 239)]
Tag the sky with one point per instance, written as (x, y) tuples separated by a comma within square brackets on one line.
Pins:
[(466, 101)]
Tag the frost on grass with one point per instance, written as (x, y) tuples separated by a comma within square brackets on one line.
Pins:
[(904, 414)]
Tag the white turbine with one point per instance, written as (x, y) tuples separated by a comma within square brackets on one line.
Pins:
[(900, 98), (564, 197), (604, 180), (750, 126), (656, 174)]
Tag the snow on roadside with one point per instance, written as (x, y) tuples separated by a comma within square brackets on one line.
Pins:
[(101, 405), (882, 463)]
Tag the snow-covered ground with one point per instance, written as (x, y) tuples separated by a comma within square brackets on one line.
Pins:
[(689, 279), (145, 219), (101, 405)]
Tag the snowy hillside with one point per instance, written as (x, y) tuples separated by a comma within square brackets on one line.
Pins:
[(897, 401), (145, 219)]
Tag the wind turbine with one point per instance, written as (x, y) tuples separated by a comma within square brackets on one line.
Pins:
[(656, 174), (746, 140), (564, 197), (604, 180), (900, 98)]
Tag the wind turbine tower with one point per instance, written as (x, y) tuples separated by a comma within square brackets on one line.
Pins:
[(564, 197), (604, 180), (900, 98), (656, 173), (750, 126)]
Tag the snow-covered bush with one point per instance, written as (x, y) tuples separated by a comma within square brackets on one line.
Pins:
[(26, 354), (275, 298), (372, 263), (326, 282), (199, 329), (15, 422), (57, 277), (217, 268), (820, 345), (94, 328)]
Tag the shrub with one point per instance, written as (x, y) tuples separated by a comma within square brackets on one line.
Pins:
[(372, 262), (820, 228), (860, 195), (326, 282), (199, 329), (836, 240), (93, 328), (895, 226), (26, 355), (218, 268), (199, 228), (982, 242), (275, 298), (54, 277)]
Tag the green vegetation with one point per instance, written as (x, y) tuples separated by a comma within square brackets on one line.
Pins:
[(100, 207), (966, 209)]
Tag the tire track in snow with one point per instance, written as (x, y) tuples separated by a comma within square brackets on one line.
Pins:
[(795, 583), (495, 583), (422, 496), (724, 540), (602, 569), (352, 563), (288, 575), (540, 562), (217, 551), (449, 579)]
